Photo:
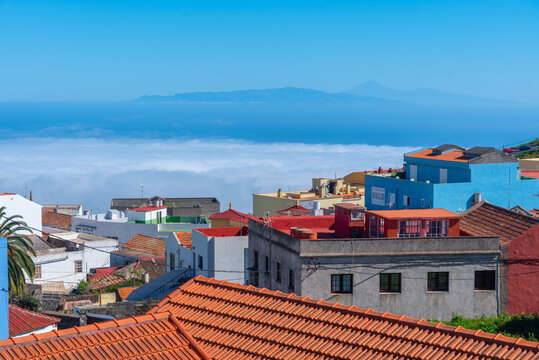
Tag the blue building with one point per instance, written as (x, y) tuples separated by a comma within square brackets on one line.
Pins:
[(453, 178)]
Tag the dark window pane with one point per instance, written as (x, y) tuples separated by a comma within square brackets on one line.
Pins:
[(485, 280), (438, 281)]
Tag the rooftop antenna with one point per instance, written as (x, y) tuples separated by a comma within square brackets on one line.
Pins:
[(141, 192)]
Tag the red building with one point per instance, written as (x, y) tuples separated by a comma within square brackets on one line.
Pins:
[(519, 240), (411, 223), (349, 220)]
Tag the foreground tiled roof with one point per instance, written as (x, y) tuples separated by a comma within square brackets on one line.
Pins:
[(141, 337), (22, 321), (486, 219), (56, 220), (185, 238), (146, 244), (233, 321)]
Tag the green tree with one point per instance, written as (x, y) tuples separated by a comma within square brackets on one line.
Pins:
[(19, 248)]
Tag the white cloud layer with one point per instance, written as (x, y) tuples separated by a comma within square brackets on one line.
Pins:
[(92, 171)]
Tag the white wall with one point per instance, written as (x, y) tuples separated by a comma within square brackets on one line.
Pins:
[(183, 256), (230, 255), (124, 231), (29, 210)]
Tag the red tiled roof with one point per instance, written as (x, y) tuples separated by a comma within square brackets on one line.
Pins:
[(486, 219), (3, 194), (57, 220), (146, 244), (125, 291), (453, 155), (233, 321), (350, 206), (295, 209), (147, 208), (232, 215), (414, 214), (185, 238), (104, 281), (156, 336), (22, 321), (225, 231)]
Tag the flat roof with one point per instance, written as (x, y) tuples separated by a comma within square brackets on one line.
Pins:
[(414, 214)]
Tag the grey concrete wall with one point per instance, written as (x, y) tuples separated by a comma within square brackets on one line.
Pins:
[(314, 261), (283, 249)]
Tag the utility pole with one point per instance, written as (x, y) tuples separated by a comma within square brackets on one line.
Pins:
[(142, 193)]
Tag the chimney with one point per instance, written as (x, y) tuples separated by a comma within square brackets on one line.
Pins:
[(31, 195), (230, 205), (279, 193), (4, 310)]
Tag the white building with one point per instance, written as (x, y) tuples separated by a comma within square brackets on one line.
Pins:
[(179, 250), (19, 205), (221, 253), (117, 225), (66, 258)]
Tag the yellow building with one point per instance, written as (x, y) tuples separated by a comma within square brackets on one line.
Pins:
[(323, 195), (528, 164)]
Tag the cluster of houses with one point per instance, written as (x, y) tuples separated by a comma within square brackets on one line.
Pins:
[(454, 231)]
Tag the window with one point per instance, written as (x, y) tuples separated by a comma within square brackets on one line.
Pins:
[(413, 172), (267, 265), (37, 272), (435, 228), (390, 282), (443, 176), (159, 217), (485, 280), (255, 257), (341, 283), (200, 262), (438, 281), (422, 203), (78, 266), (291, 279), (378, 196), (376, 226), (278, 272), (172, 260), (406, 200), (356, 215), (410, 228), (391, 199)]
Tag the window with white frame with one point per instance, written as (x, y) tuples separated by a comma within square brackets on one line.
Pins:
[(410, 228), (406, 200), (443, 176), (391, 199), (413, 172), (378, 196), (356, 215), (435, 228)]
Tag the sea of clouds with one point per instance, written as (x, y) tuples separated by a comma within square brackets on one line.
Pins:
[(91, 171)]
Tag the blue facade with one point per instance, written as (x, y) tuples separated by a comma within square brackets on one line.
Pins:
[(4, 311), (498, 183)]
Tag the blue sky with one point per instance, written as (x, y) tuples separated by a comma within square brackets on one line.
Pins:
[(115, 50)]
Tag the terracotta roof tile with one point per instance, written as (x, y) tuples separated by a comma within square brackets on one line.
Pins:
[(104, 281), (56, 220), (143, 337), (415, 214), (23, 321), (185, 238), (486, 219), (232, 215), (147, 208), (146, 244), (233, 321), (125, 291)]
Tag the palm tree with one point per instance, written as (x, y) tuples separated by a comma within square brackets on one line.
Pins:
[(19, 248)]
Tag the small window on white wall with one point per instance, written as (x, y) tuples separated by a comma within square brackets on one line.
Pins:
[(378, 196)]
